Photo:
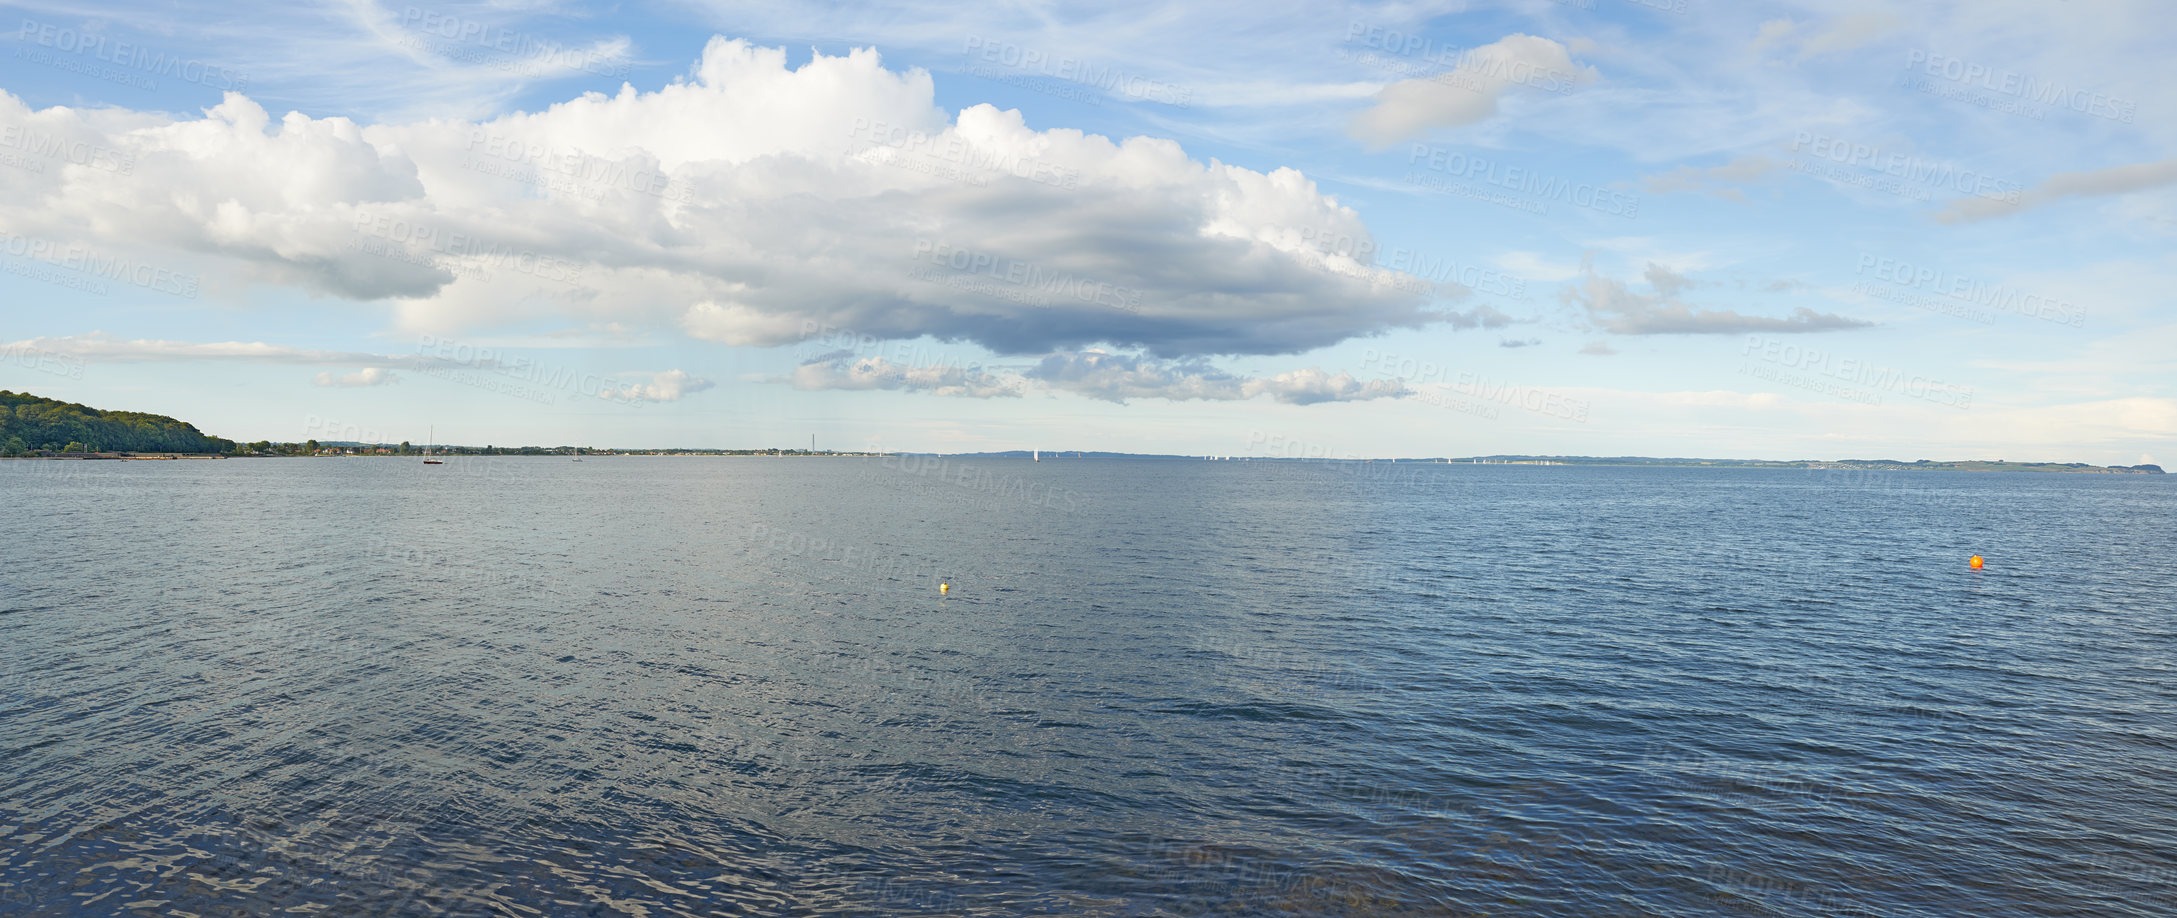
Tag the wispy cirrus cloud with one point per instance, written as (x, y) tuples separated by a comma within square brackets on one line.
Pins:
[(2114, 180), (1835, 35), (99, 345), (374, 369), (1470, 91), (843, 370), (1118, 377), (1720, 181), (1092, 374), (363, 378), (1613, 306)]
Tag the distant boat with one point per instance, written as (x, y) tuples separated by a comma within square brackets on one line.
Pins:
[(1039, 455), (578, 454), (427, 444)]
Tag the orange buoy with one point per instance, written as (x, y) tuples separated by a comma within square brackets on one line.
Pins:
[(1976, 562)]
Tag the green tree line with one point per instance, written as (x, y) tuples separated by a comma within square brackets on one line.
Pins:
[(28, 422)]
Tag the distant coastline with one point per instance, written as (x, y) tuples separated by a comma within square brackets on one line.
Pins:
[(1898, 465), (366, 451), (39, 428)]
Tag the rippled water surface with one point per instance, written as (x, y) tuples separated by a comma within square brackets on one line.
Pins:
[(653, 687)]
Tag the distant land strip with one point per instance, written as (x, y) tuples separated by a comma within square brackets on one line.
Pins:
[(40, 428)]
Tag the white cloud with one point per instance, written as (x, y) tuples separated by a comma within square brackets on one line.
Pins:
[(367, 376), (1535, 266), (1470, 91), (843, 371), (1715, 180), (668, 386), (1312, 386), (1118, 377), (1483, 316), (1844, 33), (1095, 374), (101, 346), (2097, 183), (1613, 306), (747, 204)]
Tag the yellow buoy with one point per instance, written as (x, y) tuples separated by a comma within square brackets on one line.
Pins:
[(946, 587), (1976, 562)]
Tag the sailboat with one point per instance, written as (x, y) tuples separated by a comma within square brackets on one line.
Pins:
[(1039, 455), (427, 444)]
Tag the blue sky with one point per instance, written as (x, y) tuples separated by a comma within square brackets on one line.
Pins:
[(1612, 227)]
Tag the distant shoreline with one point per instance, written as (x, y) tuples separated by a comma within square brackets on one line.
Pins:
[(1864, 465), (88, 430), (119, 457)]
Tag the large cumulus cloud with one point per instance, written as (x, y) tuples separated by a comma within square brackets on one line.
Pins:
[(750, 203)]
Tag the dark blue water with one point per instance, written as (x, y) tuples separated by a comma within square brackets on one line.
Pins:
[(651, 687)]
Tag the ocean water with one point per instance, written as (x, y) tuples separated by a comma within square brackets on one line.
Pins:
[(707, 686)]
